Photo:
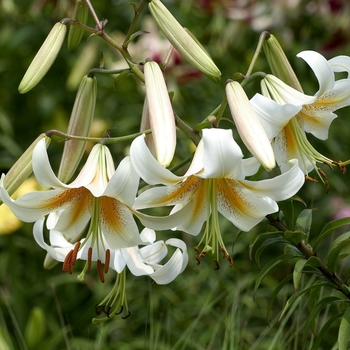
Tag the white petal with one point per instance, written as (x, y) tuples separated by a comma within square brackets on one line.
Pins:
[(273, 116), (124, 183), (175, 242), (340, 64), (170, 270), (58, 253), (322, 70), (241, 206), (250, 166), (135, 262), (146, 165), (154, 253), (221, 153), (283, 93), (42, 167), (118, 225), (147, 235), (280, 187)]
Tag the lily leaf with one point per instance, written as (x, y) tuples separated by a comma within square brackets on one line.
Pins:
[(298, 269), (330, 227), (295, 237), (262, 237), (335, 249), (344, 330), (304, 221)]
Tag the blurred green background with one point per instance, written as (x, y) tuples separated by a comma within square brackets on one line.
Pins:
[(202, 308)]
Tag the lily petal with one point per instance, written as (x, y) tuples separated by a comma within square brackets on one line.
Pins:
[(340, 64), (322, 70), (275, 188), (219, 147), (147, 166)]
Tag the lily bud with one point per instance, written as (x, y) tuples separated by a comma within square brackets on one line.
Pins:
[(188, 48), (248, 125), (81, 14), (21, 170), (44, 58), (146, 125), (161, 114), (279, 63), (79, 125)]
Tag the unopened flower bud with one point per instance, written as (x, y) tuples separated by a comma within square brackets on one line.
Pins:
[(161, 114), (279, 63), (44, 58), (81, 14), (248, 125), (79, 125), (188, 48), (21, 170)]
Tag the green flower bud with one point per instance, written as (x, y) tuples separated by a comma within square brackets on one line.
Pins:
[(248, 125), (35, 328), (81, 14), (79, 125), (161, 115), (279, 63), (21, 170), (188, 48), (44, 58)]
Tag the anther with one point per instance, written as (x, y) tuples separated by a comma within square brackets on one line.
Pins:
[(121, 310), (322, 173), (107, 310), (217, 265), (67, 264), (128, 315), (98, 309), (75, 253), (307, 177), (89, 258), (100, 271), (329, 165), (107, 260)]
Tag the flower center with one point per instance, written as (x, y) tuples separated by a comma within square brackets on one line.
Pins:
[(212, 238), (94, 253)]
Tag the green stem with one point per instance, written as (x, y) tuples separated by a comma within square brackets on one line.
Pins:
[(103, 140), (99, 25), (264, 35), (137, 12), (187, 130), (308, 252)]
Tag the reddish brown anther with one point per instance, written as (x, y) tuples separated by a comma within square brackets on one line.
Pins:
[(89, 258), (108, 258), (307, 177), (67, 264), (217, 265), (75, 252), (100, 271)]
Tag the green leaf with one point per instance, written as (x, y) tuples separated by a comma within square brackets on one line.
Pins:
[(271, 264), (275, 293), (324, 330), (295, 237), (267, 244), (298, 269), (262, 237), (330, 227), (344, 330), (335, 249), (316, 309), (289, 302), (304, 221)]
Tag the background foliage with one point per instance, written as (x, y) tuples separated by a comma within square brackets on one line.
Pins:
[(202, 308)]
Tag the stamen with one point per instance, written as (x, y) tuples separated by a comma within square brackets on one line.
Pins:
[(329, 165), (217, 265), (340, 166), (107, 260), (197, 255), (100, 271), (226, 256), (98, 309), (75, 253), (307, 177), (322, 172), (128, 315), (107, 310), (121, 310), (67, 264), (89, 258)]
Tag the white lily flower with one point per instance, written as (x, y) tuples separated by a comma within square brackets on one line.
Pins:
[(315, 116), (214, 183), (143, 261), (99, 200)]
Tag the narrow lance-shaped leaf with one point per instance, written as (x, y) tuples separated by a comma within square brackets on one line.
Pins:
[(335, 249), (344, 331)]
